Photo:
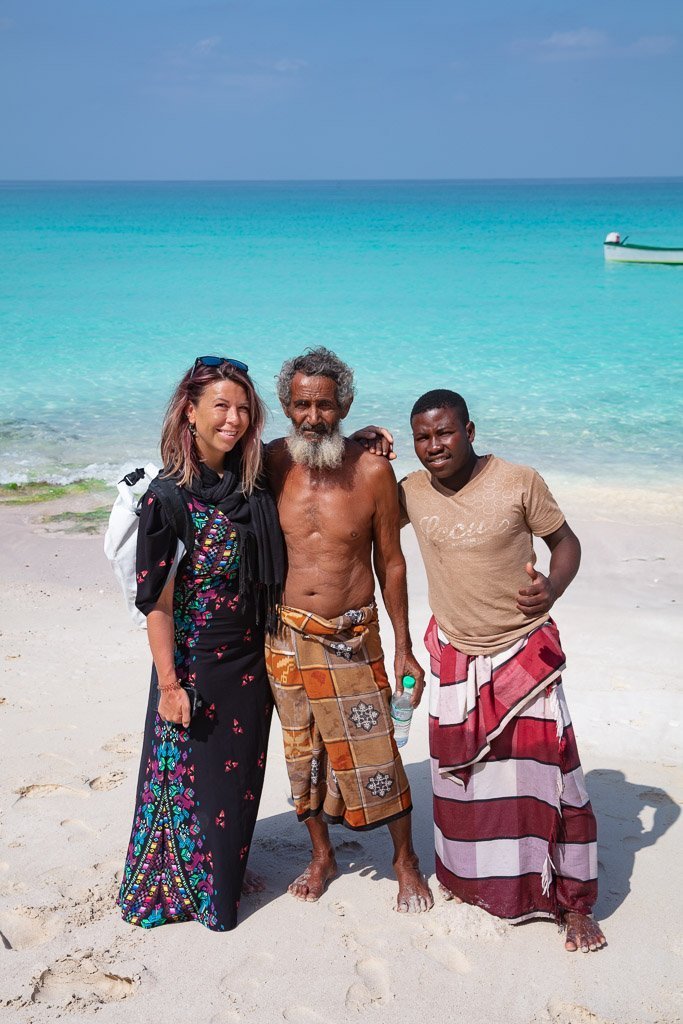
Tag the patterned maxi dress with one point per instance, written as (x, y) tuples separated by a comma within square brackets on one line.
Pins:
[(198, 788)]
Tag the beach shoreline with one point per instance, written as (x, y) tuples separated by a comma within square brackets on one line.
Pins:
[(74, 683), (499, 290)]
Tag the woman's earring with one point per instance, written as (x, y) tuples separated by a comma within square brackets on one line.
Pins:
[(192, 427)]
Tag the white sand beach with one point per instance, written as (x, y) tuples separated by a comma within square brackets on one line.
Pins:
[(72, 696)]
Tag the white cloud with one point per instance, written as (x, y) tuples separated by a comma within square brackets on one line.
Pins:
[(651, 46), (576, 44), (579, 39), (288, 64), (207, 69), (591, 44), (205, 46)]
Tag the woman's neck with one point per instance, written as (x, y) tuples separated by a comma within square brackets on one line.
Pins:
[(216, 462)]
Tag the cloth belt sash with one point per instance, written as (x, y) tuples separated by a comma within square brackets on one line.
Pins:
[(343, 636), (479, 694)]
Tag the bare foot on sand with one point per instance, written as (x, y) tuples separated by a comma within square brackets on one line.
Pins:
[(252, 883), (582, 933), (414, 895), (310, 885), (448, 895)]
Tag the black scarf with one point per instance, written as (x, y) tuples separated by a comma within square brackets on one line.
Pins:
[(254, 516)]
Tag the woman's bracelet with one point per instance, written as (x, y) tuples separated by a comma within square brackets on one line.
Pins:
[(168, 688)]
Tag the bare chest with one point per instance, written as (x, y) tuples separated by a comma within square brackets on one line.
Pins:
[(324, 510)]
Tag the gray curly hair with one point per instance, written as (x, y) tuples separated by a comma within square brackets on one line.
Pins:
[(317, 362)]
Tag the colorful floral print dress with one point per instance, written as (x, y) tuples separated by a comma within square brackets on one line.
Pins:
[(198, 788)]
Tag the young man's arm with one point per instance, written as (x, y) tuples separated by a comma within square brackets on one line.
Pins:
[(565, 558), (376, 440), (390, 568), (274, 453)]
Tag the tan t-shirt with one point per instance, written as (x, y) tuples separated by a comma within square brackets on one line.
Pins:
[(475, 544)]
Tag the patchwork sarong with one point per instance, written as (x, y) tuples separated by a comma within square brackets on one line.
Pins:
[(332, 695), (514, 829)]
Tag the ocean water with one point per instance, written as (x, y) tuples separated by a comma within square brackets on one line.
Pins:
[(497, 289)]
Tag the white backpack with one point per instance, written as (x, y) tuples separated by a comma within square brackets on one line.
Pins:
[(120, 540)]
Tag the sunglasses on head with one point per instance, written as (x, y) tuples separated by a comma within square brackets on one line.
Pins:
[(218, 361)]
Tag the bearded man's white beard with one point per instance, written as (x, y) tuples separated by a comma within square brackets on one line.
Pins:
[(326, 453)]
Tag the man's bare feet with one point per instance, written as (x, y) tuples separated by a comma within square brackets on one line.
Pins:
[(414, 895), (583, 933), (310, 885), (252, 883)]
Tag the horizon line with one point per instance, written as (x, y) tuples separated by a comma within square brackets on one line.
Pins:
[(327, 181)]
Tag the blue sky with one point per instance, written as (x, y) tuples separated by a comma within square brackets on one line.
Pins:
[(340, 88)]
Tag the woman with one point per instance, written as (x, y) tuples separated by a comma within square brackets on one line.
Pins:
[(201, 774)]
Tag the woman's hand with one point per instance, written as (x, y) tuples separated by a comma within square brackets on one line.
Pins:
[(174, 706)]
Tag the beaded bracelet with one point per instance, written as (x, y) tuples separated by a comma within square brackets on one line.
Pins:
[(169, 688)]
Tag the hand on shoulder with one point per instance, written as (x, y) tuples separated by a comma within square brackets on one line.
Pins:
[(275, 456), (374, 468), (375, 440)]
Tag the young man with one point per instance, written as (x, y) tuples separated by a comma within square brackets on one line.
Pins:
[(514, 829), (339, 512)]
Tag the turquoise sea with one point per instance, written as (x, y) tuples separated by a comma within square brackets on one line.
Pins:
[(497, 289)]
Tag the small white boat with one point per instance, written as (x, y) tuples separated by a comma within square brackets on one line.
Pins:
[(619, 252)]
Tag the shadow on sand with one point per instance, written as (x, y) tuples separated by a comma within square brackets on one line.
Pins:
[(281, 849), (631, 816)]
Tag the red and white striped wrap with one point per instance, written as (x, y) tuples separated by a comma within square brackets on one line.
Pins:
[(514, 829)]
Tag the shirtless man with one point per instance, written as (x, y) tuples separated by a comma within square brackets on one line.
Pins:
[(339, 512)]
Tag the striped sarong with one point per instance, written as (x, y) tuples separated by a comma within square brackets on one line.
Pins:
[(514, 829), (332, 695)]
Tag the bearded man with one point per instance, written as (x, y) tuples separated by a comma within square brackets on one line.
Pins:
[(339, 511)]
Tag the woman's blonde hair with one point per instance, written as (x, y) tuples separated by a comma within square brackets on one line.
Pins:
[(178, 447)]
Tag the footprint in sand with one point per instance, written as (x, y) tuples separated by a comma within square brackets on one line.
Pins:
[(573, 1013), (373, 989), (91, 904), (109, 868), (349, 941), (302, 1015), (236, 1004), (76, 827), (58, 757), (109, 781), (474, 923), (25, 927), (125, 744), (240, 987), (441, 950), (78, 981), (46, 789)]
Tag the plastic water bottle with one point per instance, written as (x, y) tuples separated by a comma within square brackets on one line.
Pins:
[(402, 711)]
